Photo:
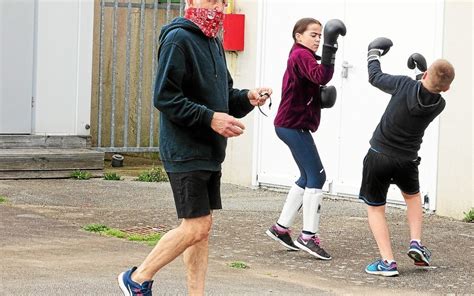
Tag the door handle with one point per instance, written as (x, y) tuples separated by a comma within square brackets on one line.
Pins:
[(345, 69)]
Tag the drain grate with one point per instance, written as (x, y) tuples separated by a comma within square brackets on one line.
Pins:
[(144, 230)]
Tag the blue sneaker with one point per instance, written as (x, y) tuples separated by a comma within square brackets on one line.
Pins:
[(131, 288), (419, 253), (381, 267)]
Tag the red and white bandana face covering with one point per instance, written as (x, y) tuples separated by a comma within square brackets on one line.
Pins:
[(208, 20)]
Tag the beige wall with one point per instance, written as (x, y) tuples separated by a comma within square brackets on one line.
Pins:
[(455, 170), (237, 167)]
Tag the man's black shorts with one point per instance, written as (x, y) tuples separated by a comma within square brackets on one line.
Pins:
[(381, 170), (196, 193)]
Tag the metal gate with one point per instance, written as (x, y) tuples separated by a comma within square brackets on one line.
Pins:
[(125, 60)]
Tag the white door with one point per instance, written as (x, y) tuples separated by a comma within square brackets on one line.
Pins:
[(17, 18), (345, 130), (275, 165), (362, 104)]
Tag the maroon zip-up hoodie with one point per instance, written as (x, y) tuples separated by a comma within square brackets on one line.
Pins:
[(300, 106)]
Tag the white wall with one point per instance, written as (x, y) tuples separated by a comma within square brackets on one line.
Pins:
[(237, 168), (455, 170), (63, 67)]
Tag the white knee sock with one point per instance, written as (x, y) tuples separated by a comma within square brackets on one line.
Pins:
[(311, 209), (292, 204)]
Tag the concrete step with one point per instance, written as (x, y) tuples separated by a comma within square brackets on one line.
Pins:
[(28, 163), (34, 141)]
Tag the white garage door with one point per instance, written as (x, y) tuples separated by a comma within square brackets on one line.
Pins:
[(16, 65), (345, 130)]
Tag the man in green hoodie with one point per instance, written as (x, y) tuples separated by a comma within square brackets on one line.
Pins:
[(199, 106)]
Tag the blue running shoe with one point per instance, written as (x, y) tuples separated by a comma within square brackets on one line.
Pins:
[(419, 253), (381, 267), (131, 288)]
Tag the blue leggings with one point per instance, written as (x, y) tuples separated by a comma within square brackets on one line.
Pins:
[(305, 153)]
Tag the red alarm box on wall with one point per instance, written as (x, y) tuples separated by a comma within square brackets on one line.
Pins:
[(234, 26)]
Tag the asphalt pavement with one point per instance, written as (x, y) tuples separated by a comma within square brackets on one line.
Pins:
[(44, 251)]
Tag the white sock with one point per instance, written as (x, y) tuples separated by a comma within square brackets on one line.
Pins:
[(311, 209), (293, 203)]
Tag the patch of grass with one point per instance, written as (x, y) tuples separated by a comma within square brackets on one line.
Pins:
[(112, 176), (81, 175), (156, 174), (469, 216), (150, 239), (3, 199), (239, 265), (115, 233), (94, 227)]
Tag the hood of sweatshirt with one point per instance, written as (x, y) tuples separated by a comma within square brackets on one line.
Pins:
[(426, 102), (180, 22)]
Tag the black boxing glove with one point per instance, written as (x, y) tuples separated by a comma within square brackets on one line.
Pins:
[(328, 96), (377, 48), (332, 30), (418, 62)]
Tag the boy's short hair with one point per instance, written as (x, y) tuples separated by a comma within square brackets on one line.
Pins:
[(442, 74)]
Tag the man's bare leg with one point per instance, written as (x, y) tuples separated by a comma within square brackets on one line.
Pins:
[(196, 258), (171, 245)]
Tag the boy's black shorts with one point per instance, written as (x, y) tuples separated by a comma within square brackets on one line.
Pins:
[(381, 170), (196, 193)]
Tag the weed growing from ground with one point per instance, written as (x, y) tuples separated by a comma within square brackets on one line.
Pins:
[(94, 227), (239, 265), (156, 174), (112, 176), (81, 175), (469, 216), (3, 199)]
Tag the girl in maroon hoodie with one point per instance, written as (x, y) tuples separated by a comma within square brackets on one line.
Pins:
[(298, 116)]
